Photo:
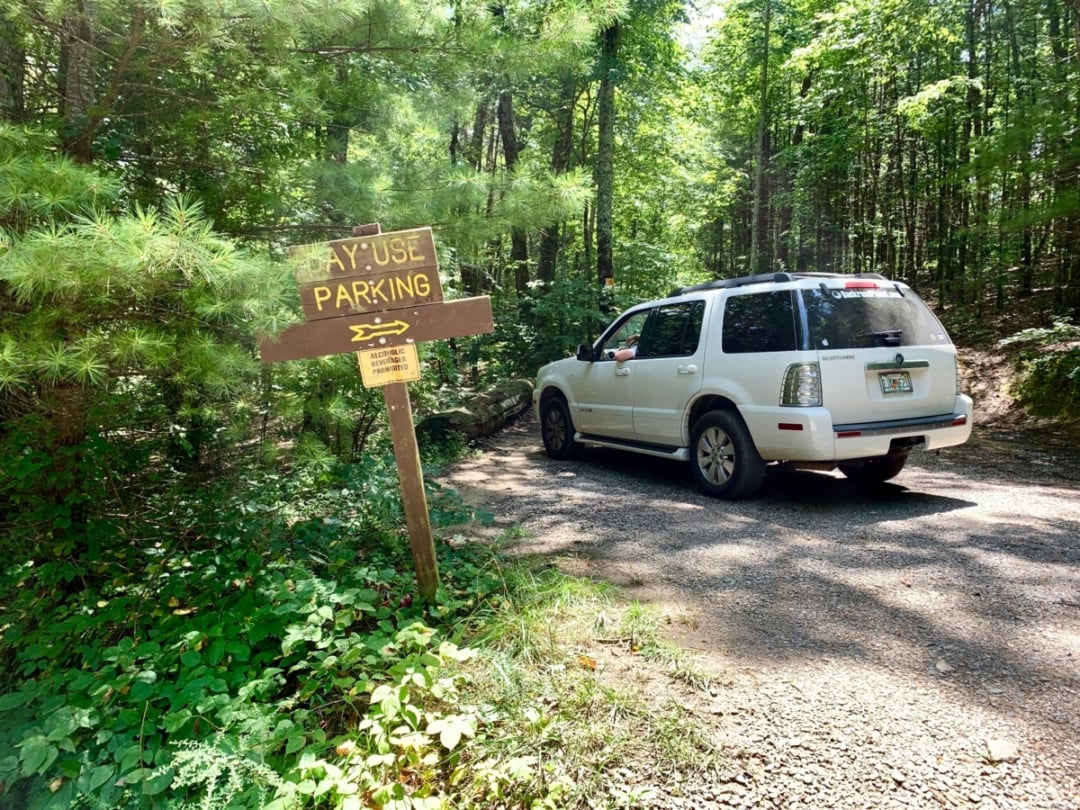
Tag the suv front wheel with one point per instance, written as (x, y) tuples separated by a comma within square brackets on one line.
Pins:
[(725, 461), (557, 430)]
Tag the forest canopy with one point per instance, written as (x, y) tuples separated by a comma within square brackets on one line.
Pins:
[(933, 142)]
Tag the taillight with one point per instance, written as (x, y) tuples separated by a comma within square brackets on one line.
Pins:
[(802, 386)]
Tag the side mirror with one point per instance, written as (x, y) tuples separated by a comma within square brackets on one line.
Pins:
[(585, 352)]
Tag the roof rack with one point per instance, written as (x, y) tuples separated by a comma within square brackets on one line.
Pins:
[(764, 278)]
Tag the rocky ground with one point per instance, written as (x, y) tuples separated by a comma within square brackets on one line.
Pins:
[(915, 646)]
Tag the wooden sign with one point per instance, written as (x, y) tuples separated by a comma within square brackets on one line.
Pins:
[(369, 254), (396, 327), (379, 295), (332, 298)]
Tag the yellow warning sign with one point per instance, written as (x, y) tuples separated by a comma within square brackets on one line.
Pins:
[(393, 364)]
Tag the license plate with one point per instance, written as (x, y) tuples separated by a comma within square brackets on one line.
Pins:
[(896, 382)]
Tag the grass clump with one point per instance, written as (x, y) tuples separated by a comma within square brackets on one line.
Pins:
[(606, 723)]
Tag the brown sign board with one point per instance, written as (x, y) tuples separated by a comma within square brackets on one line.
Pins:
[(395, 327), (374, 292), (395, 252)]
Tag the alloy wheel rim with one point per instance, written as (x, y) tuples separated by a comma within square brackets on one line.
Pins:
[(716, 456), (556, 430)]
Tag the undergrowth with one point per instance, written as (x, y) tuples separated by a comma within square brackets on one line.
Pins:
[(1048, 385), (271, 654)]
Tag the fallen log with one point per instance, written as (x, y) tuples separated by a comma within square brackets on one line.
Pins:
[(479, 415)]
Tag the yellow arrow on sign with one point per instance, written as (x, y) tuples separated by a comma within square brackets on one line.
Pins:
[(368, 331), (435, 321)]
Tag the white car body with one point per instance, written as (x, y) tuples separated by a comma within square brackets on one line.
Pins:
[(803, 394)]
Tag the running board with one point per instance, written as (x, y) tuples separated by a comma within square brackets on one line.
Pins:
[(657, 450)]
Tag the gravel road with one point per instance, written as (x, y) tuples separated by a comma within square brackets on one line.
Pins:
[(914, 646)]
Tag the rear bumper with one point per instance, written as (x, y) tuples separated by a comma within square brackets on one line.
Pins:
[(808, 434)]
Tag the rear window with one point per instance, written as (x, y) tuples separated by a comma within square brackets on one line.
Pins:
[(759, 322), (861, 318)]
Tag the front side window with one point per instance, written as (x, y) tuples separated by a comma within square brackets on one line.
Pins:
[(627, 334), (865, 318), (759, 322), (673, 330)]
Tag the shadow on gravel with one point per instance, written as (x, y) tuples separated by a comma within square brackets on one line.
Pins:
[(965, 571)]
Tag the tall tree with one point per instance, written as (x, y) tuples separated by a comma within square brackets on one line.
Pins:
[(608, 70), (519, 247), (12, 74), (758, 246), (563, 119)]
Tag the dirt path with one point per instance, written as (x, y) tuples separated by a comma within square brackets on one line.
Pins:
[(918, 646)]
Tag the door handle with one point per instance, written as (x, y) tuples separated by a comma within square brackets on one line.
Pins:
[(622, 372), (690, 368)]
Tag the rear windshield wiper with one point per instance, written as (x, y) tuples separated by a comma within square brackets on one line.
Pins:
[(887, 337)]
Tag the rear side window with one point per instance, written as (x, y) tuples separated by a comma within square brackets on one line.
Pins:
[(865, 318), (672, 330), (759, 322)]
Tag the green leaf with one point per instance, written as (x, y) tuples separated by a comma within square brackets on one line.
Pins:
[(452, 728), (174, 721), (12, 700), (295, 743), (239, 651), (100, 775), (216, 652), (157, 783), (9, 768), (142, 690), (129, 758), (69, 767), (38, 754), (61, 723), (381, 692)]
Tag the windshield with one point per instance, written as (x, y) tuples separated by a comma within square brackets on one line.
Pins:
[(862, 318)]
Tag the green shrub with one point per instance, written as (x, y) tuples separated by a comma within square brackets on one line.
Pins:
[(271, 644), (1048, 385)]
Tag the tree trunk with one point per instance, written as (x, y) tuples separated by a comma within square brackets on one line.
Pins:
[(519, 246), (480, 415), (605, 155), (561, 156), (759, 227), (787, 237), (12, 75), (474, 153), (77, 83)]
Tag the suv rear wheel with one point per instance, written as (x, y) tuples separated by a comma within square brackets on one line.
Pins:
[(557, 430), (725, 461)]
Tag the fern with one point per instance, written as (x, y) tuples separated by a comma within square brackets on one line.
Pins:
[(222, 778)]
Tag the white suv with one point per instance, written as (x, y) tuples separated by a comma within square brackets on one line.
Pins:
[(814, 370)]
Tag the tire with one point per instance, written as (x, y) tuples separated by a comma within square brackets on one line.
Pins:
[(557, 429), (875, 470), (725, 461)]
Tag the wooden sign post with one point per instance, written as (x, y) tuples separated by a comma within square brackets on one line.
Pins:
[(378, 295)]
